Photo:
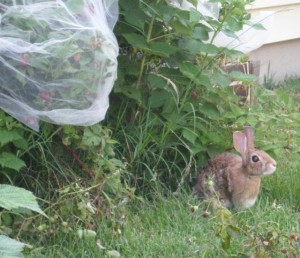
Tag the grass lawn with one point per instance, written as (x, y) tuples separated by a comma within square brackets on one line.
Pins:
[(178, 226), (173, 227)]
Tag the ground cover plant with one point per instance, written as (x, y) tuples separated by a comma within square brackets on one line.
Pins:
[(123, 188)]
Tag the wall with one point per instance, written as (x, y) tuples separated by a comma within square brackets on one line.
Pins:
[(280, 55)]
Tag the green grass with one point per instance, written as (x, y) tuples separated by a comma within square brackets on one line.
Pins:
[(291, 85), (167, 227), (172, 226)]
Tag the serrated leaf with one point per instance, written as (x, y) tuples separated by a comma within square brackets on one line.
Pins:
[(8, 160), (12, 197), (10, 248), (8, 136), (90, 138)]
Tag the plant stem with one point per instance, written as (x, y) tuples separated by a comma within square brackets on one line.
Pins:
[(141, 72), (148, 39)]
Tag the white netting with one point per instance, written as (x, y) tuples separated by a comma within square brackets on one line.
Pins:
[(246, 40), (58, 60)]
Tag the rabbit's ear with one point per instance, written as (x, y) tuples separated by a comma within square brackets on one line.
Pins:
[(250, 137), (240, 142)]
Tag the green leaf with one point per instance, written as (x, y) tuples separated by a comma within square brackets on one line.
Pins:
[(195, 16), (209, 49), (220, 79), (200, 32), (130, 92), (156, 82), (246, 78), (161, 9), (158, 48), (189, 135), (21, 144), (8, 160), (91, 138), (126, 64), (112, 184), (181, 28), (225, 239), (193, 72), (197, 47), (10, 248), (12, 197), (210, 110), (136, 19), (9, 136), (257, 26), (133, 14), (236, 110), (136, 40), (234, 23), (158, 98), (196, 148), (162, 49)]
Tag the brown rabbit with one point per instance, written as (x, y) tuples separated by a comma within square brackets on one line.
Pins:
[(233, 179)]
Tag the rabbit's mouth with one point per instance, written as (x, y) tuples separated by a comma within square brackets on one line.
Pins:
[(270, 169)]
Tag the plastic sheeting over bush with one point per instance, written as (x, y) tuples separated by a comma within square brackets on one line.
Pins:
[(245, 40), (58, 60)]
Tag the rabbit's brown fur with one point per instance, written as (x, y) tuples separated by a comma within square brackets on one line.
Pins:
[(233, 179)]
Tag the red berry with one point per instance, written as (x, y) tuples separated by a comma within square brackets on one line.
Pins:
[(24, 61), (44, 96), (77, 57)]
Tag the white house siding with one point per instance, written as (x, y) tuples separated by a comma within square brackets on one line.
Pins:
[(279, 57)]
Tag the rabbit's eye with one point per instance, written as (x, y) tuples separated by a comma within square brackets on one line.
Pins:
[(255, 158)]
